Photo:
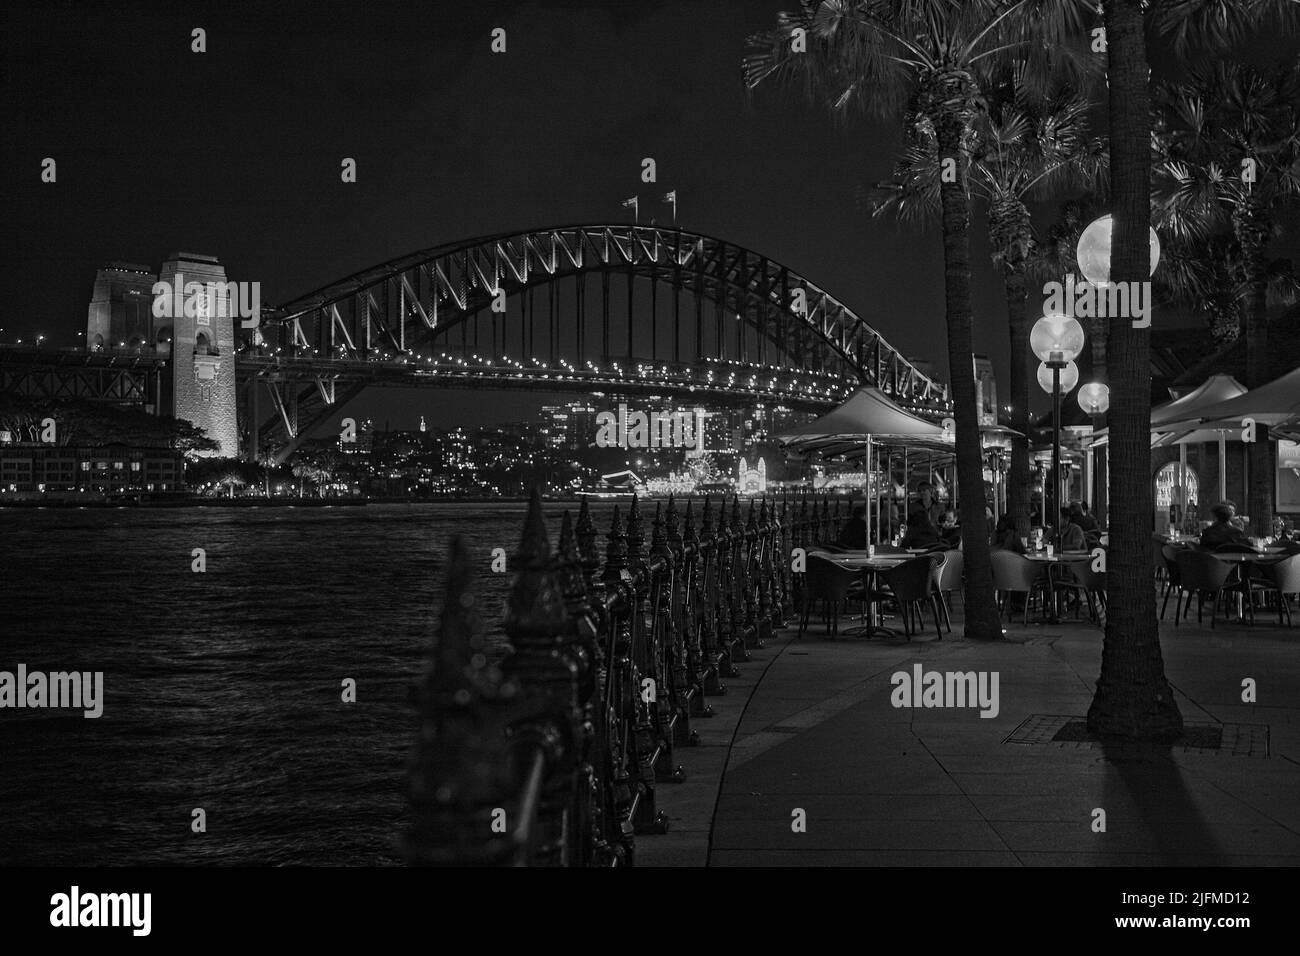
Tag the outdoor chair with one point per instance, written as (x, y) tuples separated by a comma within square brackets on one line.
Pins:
[(948, 577), (1282, 579), (1013, 574), (912, 583), (1169, 555), (1086, 585), (826, 581), (1200, 573)]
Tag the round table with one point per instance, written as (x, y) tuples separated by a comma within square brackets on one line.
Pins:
[(1052, 561), (870, 566)]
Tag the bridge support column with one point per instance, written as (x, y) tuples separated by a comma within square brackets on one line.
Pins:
[(254, 419)]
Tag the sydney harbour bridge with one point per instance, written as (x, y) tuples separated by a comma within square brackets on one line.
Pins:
[(621, 309)]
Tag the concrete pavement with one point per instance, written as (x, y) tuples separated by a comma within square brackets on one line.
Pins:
[(810, 726)]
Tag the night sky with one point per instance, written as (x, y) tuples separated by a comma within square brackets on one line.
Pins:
[(236, 153)]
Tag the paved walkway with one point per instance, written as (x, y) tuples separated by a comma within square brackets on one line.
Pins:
[(809, 725)]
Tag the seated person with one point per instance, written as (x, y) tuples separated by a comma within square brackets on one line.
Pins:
[(949, 531), (1223, 532), (1005, 537), (921, 532), (1071, 537), (854, 533), (1081, 516)]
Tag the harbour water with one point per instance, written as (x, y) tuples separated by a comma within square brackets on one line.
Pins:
[(223, 689)]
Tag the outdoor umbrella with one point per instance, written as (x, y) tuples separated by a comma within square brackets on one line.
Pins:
[(867, 416), (1174, 423), (1213, 391), (1277, 403)]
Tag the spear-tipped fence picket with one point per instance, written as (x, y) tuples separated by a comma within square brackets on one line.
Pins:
[(555, 756)]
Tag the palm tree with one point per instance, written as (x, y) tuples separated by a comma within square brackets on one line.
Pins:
[(1205, 276), (1025, 144), (1133, 698), (1228, 155), (232, 477), (928, 58)]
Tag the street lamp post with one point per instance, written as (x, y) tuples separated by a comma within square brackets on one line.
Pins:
[(1092, 252), (1057, 340), (1094, 399)]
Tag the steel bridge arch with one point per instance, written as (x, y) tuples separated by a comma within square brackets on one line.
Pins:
[(411, 302)]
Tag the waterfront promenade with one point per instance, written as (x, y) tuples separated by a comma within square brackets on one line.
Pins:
[(808, 725)]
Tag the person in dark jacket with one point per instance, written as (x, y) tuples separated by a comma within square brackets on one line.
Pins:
[(1223, 532), (854, 533), (1005, 537), (1071, 537), (921, 529), (1088, 522)]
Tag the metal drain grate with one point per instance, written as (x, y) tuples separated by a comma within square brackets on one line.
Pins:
[(1068, 732)]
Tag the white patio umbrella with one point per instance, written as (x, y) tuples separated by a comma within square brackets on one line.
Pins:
[(867, 417), (1275, 404), (1173, 423)]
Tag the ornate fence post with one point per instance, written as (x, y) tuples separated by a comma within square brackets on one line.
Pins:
[(769, 606), (686, 682), (547, 734), (784, 550), (727, 620), (736, 590), (641, 719), (717, 651), (667, 715), (804, 520), (459, 771), (752, 581), (591, 839), (702, 670), (622, 764)]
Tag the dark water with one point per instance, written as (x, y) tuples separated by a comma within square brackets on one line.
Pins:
[(223, 690)]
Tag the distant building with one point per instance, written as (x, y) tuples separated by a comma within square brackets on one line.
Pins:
[(196, 332), (751, 481), (621, 481), (121, 307), (34, 468)]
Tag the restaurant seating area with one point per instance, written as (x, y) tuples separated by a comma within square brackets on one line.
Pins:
[(1237, 579), (915, 587)]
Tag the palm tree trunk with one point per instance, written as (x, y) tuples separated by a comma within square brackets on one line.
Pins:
[(1018, 483), (1133, 699), (1252, 236), (982, 618)]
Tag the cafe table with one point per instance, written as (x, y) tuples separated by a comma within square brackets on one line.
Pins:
[(870, 565), (1053, 561), (1261, 558)]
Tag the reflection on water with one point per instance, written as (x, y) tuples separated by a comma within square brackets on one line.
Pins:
[(223, 689)]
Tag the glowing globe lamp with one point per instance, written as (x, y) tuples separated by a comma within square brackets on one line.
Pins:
[(1093, 251)]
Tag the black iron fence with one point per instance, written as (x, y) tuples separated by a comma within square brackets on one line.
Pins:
[(554, 756)]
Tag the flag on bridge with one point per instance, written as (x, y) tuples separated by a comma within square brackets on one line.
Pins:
[(635, 208), (672, 198)]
